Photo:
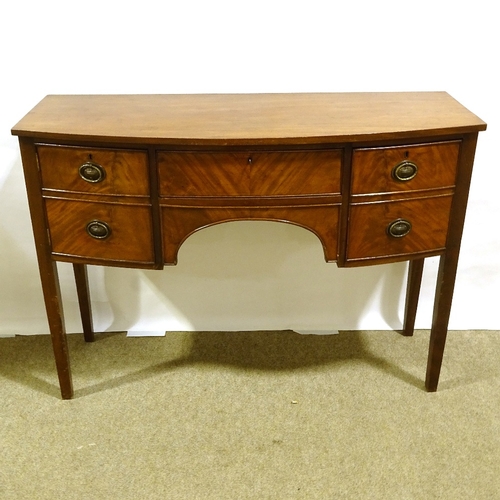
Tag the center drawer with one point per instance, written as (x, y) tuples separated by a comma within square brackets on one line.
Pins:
[(268, 173)]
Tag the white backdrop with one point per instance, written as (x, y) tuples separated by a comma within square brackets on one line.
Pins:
[(249, 275)]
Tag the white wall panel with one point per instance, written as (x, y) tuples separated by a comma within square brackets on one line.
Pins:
[(249, 275)]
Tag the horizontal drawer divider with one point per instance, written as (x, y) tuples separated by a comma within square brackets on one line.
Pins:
[(58, 192), (66, 257), (389, 258), (381, 259), (395, 197), (131, 201), (254, 201)]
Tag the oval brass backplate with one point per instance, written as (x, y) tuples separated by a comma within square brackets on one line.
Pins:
[(399, 228), (404, 171)]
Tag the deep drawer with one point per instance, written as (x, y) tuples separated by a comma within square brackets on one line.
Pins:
[(104, 231), (393, 228), (404, 168), (100, 171), (297, 173)]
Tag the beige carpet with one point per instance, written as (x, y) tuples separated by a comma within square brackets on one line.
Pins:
[(261, 415)]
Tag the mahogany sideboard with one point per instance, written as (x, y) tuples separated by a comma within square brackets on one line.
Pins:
[(123, 180)]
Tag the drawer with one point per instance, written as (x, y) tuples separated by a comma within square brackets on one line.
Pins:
[(178, 222), (120, 232), (275, 173), (100, 171), (404, 168), (378, 229)]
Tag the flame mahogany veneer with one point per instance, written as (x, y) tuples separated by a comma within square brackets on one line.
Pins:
[(123, 180)]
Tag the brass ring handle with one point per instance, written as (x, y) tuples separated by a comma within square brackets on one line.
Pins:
[(92, 172), (98, 230), (404, 171), (399, 228)]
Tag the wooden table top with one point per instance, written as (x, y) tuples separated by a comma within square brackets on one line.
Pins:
[(225, 119)]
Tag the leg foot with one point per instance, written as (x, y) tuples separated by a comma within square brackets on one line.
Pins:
[(82, 289), (415, 271)]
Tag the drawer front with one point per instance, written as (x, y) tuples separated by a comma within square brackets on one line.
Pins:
[(120, 232), (180, 222), (100, 171), (404, 168), (249, 173), (378, 229)]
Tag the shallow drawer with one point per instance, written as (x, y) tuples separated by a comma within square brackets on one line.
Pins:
[(392, 169), (249, 173), (100, 171), (104, 231), (394, 228), (179, 222)]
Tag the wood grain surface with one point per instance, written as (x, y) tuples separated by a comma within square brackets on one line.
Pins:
[(180, 222), (436, 163), (368, 237), (225, 119), (131, 237), (126, 172), (252, 173)]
